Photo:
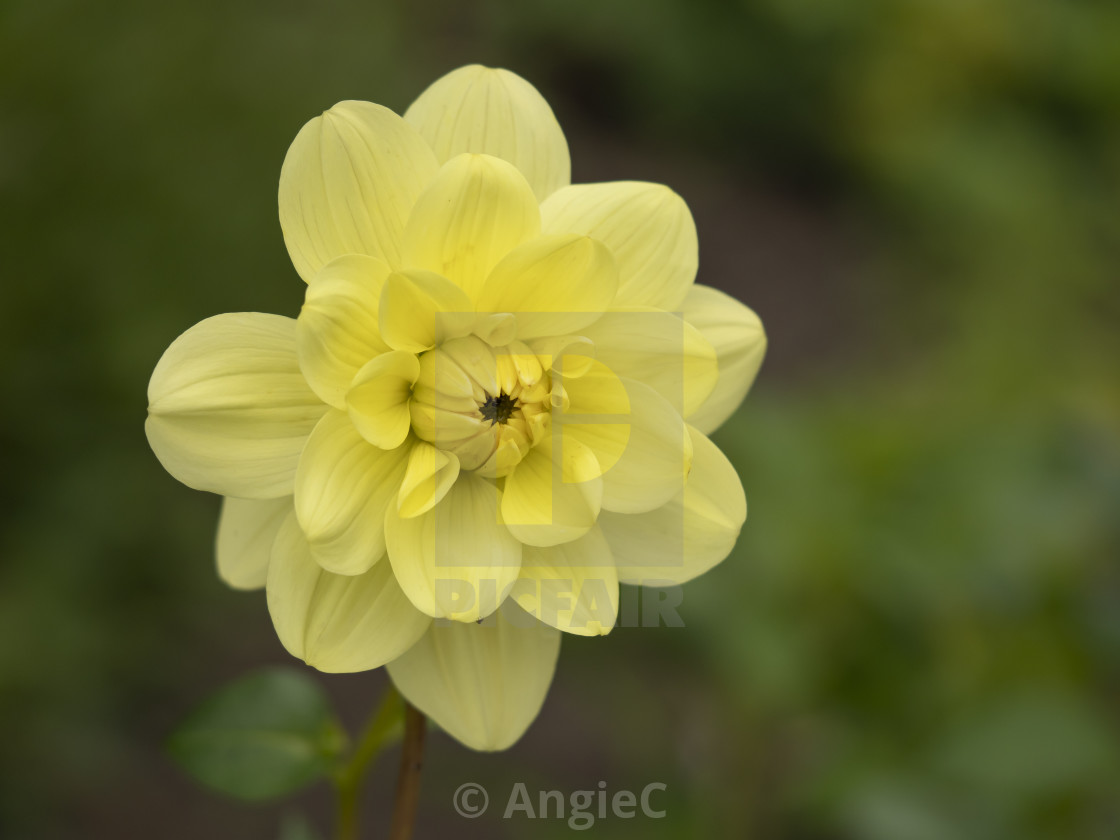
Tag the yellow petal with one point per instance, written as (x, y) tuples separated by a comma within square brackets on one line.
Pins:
[(420, 309), (474, 212), (688, 535), (430, 474), (647, 227), (555, 284), (348, 183), (739, 340), (246, 530), (554, 494), (229, 410), (457, 560), (572, 587), (661, 350), (496, 328), (337, 623), (481, 683), (336, 332), (645, 458), (495, 112), (600, 415), (343, 487), (567, 355), (378, 400)]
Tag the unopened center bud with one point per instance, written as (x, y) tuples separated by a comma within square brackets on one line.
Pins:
[(488, 405)]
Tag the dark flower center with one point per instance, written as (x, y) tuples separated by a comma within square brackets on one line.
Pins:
[(498, 409)]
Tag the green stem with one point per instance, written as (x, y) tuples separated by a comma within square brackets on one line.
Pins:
[(348, 779), (408, 780)]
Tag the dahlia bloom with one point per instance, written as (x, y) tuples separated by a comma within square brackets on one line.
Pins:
[(492, 408)]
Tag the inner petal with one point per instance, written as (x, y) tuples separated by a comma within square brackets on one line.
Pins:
[(474, 212)]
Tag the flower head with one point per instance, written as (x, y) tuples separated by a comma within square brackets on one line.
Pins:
[(491, 410)]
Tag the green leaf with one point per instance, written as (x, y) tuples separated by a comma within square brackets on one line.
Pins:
[(297, 827), (261, 737)]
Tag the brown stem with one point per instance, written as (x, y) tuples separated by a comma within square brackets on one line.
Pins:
[(408, 780), (349, 778)]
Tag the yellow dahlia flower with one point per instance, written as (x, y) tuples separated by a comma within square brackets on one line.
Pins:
[(492, 408)]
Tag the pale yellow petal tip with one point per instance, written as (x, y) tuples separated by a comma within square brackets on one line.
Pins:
[(348, 106), (763, 338), (589, 630), (475, 72)]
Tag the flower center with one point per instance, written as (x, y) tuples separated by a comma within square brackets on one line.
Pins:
[(487, 405), (498, 409)]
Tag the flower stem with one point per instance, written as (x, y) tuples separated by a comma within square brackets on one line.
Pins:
[(408, 779), (348, 779)]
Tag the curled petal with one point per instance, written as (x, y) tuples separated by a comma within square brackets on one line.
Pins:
[(420, 309), (496, 328), (430, 474), (570, 356), (337, 332), (378, 400), (229, 410)]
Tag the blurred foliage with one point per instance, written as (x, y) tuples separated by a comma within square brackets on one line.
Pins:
[(919, 635), (264, 736)]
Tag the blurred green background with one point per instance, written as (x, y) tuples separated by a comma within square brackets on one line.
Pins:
[(918, 636)]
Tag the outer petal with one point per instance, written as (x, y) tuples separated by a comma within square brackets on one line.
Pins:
[(457, 560), (661, 350), (554, 494), (648, 228), (343, 487), (348, 183), (336, 332), (638, 438), (246, 531), (474, 212), (229, 410), (482, 683), (556, 285), (378, 400), (572, 587), (337, 623), (740, 342), (420, 309), (688, 535), (496, 112)]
